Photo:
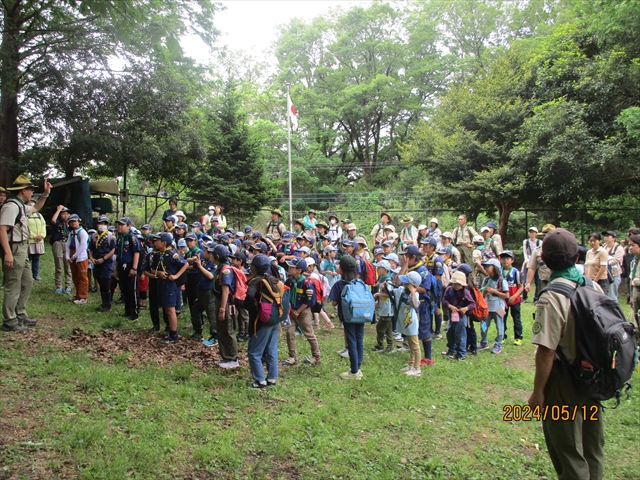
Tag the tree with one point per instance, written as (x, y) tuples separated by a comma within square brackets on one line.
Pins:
[(233, 173), (42, 37)]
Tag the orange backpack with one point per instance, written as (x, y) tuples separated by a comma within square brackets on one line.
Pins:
[(481, 310)]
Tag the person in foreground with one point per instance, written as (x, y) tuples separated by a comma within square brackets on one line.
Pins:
[(576, 446)]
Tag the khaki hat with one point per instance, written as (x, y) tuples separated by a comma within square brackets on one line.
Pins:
[(407, 219), (21, 183), (2, 189), (352, 226), (388, 216), (389, 227), (277, 212), (547, 228), (459, 278), (448, 235), (361, 241)]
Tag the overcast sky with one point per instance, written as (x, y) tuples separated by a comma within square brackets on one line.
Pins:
[(252, 25)]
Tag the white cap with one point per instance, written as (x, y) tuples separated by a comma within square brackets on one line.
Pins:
[(485, 229), (478, 239), (434, 220), (310, 261), (422, 227), (534, 229)]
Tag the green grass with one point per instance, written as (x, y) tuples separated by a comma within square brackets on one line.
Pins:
[(64, 413)]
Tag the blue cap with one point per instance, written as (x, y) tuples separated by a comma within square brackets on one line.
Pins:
[(190, 236), (239, 235), (125, 221), (310, 238), (287, 236), (230, 230), (224, 238), (196, 224), (493, 261), (166, 237), (246, 244), (412, 250), (269, 236), (221, 251), (377, 250), (300, 263), (464, 268), (146, 226), (111, 228), (207, 238), (75, 218), (507, 253), (429, 241), (248, 229), (387, 243), (256, 235), (306, 250), (260, 262), (236, 242), (182, 225), (239, 256), (412, 278), (260, 246), (171, 218), (492, 225), (391, 256), (182, 242), (102, 219)]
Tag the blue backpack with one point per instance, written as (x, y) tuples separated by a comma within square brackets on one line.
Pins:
[(357, 303)]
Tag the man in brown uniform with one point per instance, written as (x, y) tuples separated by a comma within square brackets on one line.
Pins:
[(14, 243), (462, 238), (575, 442)]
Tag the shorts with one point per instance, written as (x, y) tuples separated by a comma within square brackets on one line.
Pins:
[(168, 293), (317, 308)]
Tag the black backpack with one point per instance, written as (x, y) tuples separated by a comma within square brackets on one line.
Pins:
[(606, 343)]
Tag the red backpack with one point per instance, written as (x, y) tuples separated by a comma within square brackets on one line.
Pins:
[(240, 292), (481, 310), (318, 287), (369, 274)]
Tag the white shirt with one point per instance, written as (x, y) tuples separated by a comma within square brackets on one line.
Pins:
[(81, 238)]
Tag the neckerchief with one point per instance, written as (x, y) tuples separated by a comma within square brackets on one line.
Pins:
[(102, 237), (295, 283), (634, 266), (570, 273)]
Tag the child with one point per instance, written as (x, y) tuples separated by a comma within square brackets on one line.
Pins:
[(170, 267), (495, 292), (479, 273), (205, 301), (512, 276), (318, 308), (384, 308), (458, 300), (78, 258), (472, 337), (407, 303)]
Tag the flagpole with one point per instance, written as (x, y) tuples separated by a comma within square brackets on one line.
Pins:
[(289, 154)]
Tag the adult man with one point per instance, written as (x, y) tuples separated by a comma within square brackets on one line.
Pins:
[(377, 234), (462, 238), (60, 222), (276, 227), (575, 444), (616, 259), (14, 243), (537, 264), (127, 258), (528, 246), (409, 233)]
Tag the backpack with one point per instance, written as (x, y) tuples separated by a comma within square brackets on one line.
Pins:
[(481, 310), (318, 287), (488, 253), (17, 222), (605, 341), (357, 303), (369, 274), (274, 303), (445, 278), (240, 292)]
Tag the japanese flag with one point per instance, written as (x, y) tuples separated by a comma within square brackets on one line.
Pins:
[(292, 112)]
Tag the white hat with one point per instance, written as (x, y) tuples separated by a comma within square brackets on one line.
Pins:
[(534, 229), (434, 220), (478, 239), (310, 261), (422, 227), (211, 207), (180, 213)]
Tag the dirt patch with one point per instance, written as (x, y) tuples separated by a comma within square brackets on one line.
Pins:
[(137, 348)]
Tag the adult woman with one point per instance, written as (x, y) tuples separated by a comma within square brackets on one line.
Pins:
[(310, 223), (434, 230), (597, 261), (37, 232), (222, 220)]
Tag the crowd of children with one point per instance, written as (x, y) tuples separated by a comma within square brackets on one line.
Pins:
[(420, 278)]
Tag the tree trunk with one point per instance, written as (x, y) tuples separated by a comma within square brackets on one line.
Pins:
[(9, 87), (505, 207)]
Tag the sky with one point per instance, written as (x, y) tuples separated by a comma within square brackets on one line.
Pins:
[(252, 25)]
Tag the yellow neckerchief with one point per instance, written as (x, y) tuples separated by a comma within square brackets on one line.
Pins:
[(102, 237), (416, 266), (430, 259)]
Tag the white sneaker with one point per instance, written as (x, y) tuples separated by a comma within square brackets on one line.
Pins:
[(401, 349), (351, 376), (413, 372), (405, 369), (230, 364), (80, 301), (398, 338), (344, 353)]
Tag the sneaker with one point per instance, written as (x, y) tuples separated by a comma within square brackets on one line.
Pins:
[(402, 349), (80, 301), (473, 352), (311, 360), (425, 362), (351, 376), (377, 349), (451, 357), (271, 383), (67, 290), (14, 328), (289, 362), (483, 347), (196, 336), (397, 337), (28, 322), (151, 330), (344, 353), (406, 369), (37, 278), (167, 341), (389, 349), (93, 290), (413, 372), (437, 336), (103, 309), (230, 364), (460, 359), (447, 353), (496, 349), (59, 290), (517, 342), (259, 385), (211, 342), (134, 319), (242, 338)]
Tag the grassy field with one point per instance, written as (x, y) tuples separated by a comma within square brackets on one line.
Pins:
[(77, 403)]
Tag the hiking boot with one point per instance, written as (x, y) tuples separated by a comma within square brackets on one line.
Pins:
[(134, 318), (517, 342), (28, 322), (229, 364), (151, 330), (496, 349), (351, 376), (289, 362), (80, 301), (377, 349), (102, 308), (311, 360), (211, 342), (14, 328)]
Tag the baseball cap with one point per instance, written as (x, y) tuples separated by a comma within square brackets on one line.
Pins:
[(256, 234), (171, 218), (387, 243), (146, 226), (464, 268), (166, 237), (306, 250), (412, 250), (182, 225), (221, 251), (429, 241), (377, 250), (261, 262), (260, 246), (330, 248), (310, 261), (196, 224), (507, 253), (492, 261), (300, 263), (287, 237), (383, 264), (215, 219), (478, 239), (391, 256), (448, 235), (207, 238), (346, 220), (124, 221), (182, 242), (190, 236), (533, 228), (412, 278), (64, 209), (360, 241), (347, 262), (102, 219), (239, 255), (492, 225), (560, 240), (75, 218), (393, 236), (248, 229), (91, 230), (484, 229), (352, 226), (609, 233)]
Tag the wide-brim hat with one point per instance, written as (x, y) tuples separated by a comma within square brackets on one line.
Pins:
[(407, 219), (21, 183), (277, 212), (549, 227), (387, 214)]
